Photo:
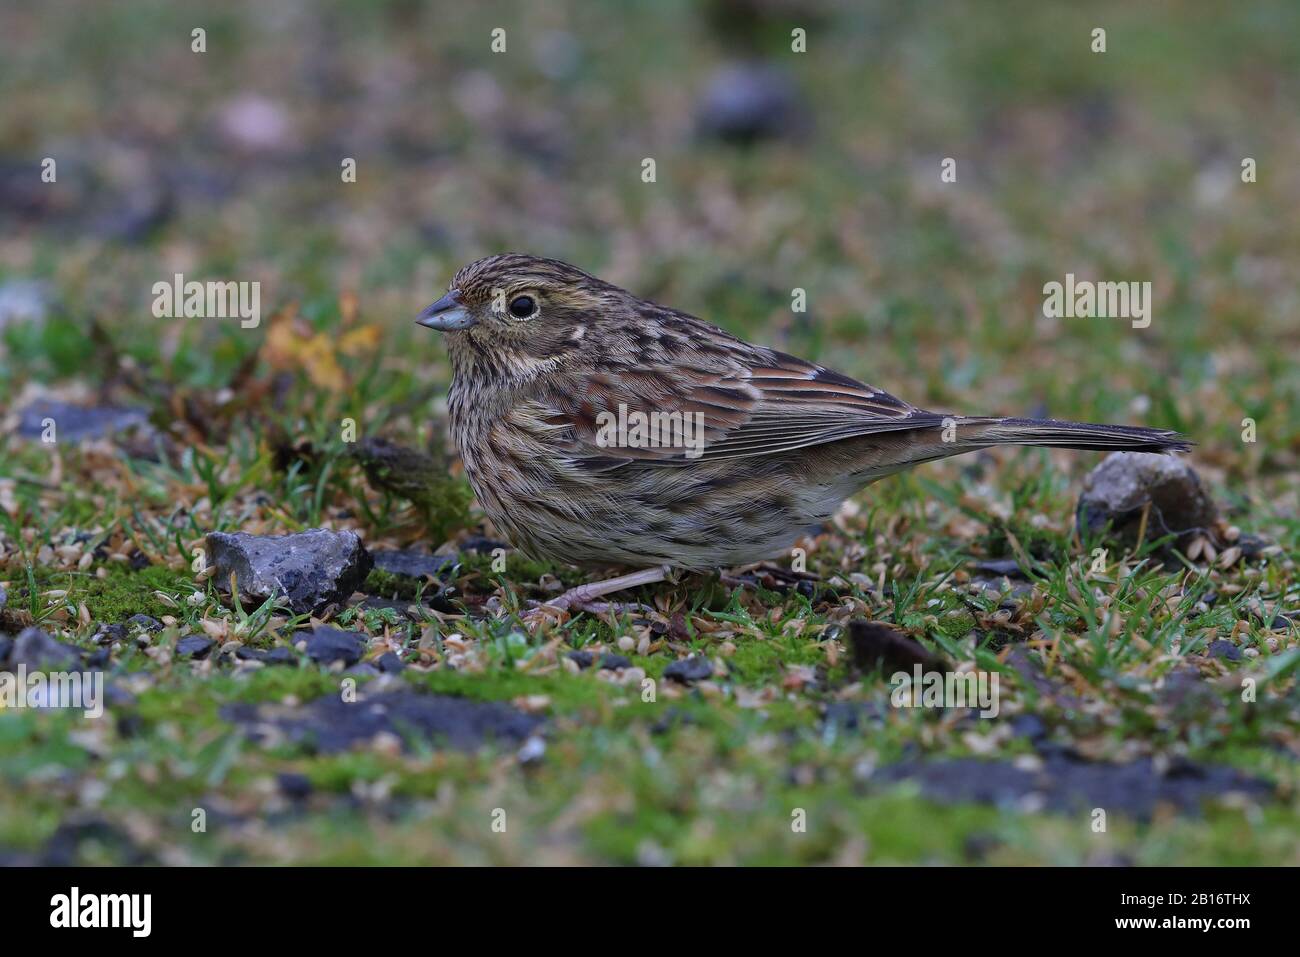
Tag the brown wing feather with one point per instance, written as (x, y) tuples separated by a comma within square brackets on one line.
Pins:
[(750, 401)]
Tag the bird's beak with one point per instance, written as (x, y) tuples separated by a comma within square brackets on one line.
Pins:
[(447, 314)]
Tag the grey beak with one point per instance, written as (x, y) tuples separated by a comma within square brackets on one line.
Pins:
[(446, 315)]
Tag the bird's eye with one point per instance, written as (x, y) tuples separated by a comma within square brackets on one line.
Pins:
[(521, 307)]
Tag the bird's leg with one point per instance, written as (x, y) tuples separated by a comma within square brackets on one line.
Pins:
[(578, 598)]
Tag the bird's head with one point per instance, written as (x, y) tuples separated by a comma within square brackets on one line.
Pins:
[(522, 312)]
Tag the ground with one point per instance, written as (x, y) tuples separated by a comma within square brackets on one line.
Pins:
[(494, 744)]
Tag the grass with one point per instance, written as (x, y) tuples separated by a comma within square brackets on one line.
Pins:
[(1123, 165)]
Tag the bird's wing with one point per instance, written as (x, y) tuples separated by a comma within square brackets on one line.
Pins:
[(741, 401)]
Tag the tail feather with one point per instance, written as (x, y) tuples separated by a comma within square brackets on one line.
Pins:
[(1071, 435)]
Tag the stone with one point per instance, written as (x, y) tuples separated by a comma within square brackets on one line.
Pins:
[(194, 646), (745, 102), (75, 423), (411, 563), (330, 725), (275, 656), (1118, 490), (307, 570), (39, 652), (326, 645), (689, 670), (1069, 784), (1223, 649)]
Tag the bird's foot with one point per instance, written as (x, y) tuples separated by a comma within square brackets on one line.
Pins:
[(583, 597)]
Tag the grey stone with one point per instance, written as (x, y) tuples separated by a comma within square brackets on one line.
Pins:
[(1223, 649), (326, 645), (194, 646), (1067, 783), (275, 656), (75, 423), (410, 563), (24, 300), (1117, 491), (688, 670), (329, 724), (308, 570), (38, 651), (745, 102)]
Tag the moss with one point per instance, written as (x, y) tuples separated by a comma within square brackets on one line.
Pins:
[(122, 593), (388, 585)]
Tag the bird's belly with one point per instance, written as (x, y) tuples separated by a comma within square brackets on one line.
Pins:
[(699, 516)]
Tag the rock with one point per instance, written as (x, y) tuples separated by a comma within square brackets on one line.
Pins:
[(1117, 491), (330, 725), (296, 787), (1002, 567), (144, 622), (612, 662), (410, 563), (583, 659), (75, 423), (688, 670), (1069, 784), (481, 545), (309, 570), (194, 646), (39, 652), (4, 596), (390, 664), (1031, 726), (276, 656), (109, 633), (24, 300), (874, 645), (745, 102), (1223, 649), (327, 645), (6, 646)]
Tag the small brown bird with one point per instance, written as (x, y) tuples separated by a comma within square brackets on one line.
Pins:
[(598, 428)]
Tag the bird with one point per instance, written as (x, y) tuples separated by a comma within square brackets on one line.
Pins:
[(598, 428)]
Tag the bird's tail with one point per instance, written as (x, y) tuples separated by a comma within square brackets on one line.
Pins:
[(983, 432)]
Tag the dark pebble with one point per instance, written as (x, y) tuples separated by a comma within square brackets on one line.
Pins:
[(1223, 649), (107, 634), (583, 659), (194, 646), (327, 645), (295, 786), (688, 670)]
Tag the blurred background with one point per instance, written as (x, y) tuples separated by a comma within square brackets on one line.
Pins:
[(775, 170)]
